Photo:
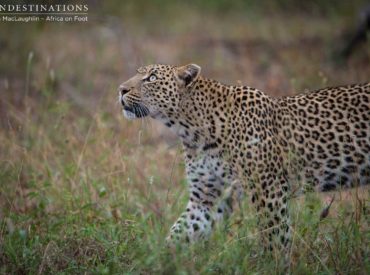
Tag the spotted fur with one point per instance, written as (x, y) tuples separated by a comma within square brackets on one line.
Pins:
[(237, 138)]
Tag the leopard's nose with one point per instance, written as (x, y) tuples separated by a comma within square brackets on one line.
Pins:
[(123, 90)]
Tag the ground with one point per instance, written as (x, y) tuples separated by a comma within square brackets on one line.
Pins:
[(84, 190)]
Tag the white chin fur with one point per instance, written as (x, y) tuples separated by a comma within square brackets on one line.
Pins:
[(129, 115)]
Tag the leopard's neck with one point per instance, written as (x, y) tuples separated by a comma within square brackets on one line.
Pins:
[(210, 112), (199, 117)]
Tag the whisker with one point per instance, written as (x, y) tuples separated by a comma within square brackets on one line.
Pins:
[(141, 116), (119, 99), (144, 118)]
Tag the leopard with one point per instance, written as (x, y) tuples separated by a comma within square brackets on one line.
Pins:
[(240, 142)]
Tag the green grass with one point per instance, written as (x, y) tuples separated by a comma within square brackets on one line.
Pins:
[(75, 199), (96, 230), (84, 191)]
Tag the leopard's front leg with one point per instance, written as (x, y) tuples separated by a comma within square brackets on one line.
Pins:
[(208, 177)]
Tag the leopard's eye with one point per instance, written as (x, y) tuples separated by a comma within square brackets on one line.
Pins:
[(152, 78)]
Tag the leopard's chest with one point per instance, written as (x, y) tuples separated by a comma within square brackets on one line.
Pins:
[(212, 169)]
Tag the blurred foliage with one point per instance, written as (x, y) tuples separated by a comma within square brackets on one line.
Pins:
[(232, 6), (17, 40)]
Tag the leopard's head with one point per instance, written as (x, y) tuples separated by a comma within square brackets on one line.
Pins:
[(156, 90)]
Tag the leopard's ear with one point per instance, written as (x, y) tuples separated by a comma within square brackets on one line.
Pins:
[(188, 73)]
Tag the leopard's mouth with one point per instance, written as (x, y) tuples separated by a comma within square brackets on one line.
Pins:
[(134, 110)]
